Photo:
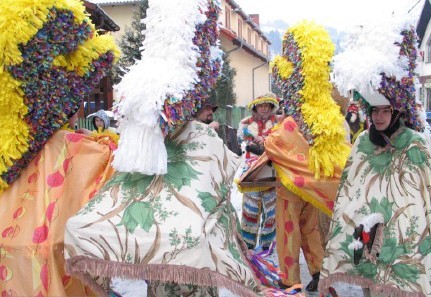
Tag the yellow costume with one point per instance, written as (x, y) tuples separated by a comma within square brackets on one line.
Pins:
[(307, 150)]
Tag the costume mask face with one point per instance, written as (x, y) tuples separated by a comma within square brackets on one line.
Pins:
[(99, 123), (263, 109), (206, 114), (381, 116)]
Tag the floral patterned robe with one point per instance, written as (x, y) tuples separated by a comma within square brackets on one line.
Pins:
[(396, 183), (179, 227), (34, 209)]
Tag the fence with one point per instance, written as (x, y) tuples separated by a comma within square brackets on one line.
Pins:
[(85, 123), (230, 115)]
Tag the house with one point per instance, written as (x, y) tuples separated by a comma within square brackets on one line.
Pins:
[(423, 30), (248, 48), (102, 95), (240, 36)]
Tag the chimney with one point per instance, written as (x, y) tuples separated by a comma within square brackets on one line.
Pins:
[(255, 19)]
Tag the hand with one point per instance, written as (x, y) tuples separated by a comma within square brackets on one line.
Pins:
[(259, 140), (280, 118), (214, 125)]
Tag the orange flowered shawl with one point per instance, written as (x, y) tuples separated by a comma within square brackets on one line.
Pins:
[(288, 150), (33, 211)]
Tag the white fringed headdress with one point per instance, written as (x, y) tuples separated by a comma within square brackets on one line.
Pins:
[(179, 65), (379, 62)]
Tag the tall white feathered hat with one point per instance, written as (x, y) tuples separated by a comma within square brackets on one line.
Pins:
[(180, 64), (378, 63)]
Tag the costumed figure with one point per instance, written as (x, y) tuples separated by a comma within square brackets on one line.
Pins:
[(51, 57), (307, 150), (356, 120), (380, 232), (258, 210), (166, 216)]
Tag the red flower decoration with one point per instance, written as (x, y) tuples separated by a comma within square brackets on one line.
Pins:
[(300, 157), (289, 261), (18, 213), (67, 281), (66, 165), (299, 181), (290, 126), (52, 211), (4, 274), (33, 178), (55, 179), (37, 159), (40, 234), (288, 226), (11, 232), (74, 137), (330, 204), (92, 194), (44, 276)]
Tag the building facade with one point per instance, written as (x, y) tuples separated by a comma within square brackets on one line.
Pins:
[(423, 30), (248, 49), (240, 36)]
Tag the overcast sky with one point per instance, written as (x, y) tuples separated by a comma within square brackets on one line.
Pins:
[(340, 14)]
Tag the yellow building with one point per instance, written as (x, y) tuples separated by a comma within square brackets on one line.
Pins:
[(240, 36)]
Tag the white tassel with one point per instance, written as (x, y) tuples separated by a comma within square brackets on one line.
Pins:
[(356, 245), (167, 69), (136, 139), (371, 220)]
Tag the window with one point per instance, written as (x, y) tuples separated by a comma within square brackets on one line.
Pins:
[(262, 46), (249, 35), (227, 18), (428, 49), (256, 41), (240, 28), (428, 99)]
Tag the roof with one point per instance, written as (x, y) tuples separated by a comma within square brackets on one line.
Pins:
[(241, 43), (100, 19), (423, 21), (247, 19)]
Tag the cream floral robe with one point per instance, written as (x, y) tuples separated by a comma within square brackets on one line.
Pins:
[(396, 183), (180, 227)]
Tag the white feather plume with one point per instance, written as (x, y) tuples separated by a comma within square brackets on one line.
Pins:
[(369, 51), (167, 69)]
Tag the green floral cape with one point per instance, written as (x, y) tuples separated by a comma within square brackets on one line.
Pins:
[(180, 227), (394, 182)]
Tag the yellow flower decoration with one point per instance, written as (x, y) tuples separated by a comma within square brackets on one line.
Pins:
[(283, 67), (319, 111)]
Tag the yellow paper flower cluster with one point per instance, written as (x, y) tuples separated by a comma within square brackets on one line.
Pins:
[(20, 21), (80, 60), (283, 66), (319, 110)]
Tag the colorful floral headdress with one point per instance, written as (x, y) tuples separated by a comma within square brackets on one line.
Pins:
[(302, 73), (179, 66), (270, 98), (50, 58), (379, 62)]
